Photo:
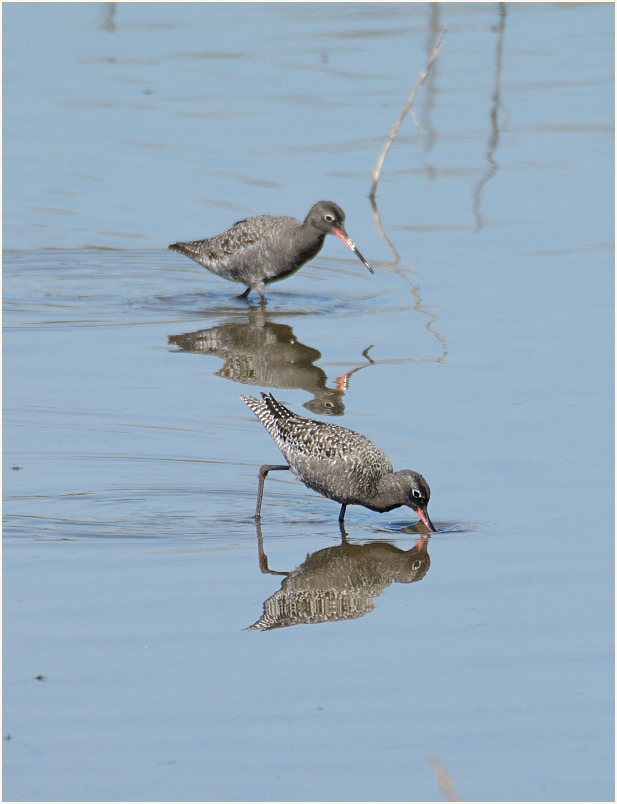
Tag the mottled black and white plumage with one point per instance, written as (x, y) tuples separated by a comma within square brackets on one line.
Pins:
[(338, 463), (267, 248)]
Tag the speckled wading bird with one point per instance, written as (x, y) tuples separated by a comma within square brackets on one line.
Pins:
[(337, 462), (266, 248)]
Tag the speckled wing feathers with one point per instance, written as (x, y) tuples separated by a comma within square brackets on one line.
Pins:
[(329, 458), (221, 252), (243, 234)]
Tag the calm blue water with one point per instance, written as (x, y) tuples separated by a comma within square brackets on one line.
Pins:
[(480, 353)]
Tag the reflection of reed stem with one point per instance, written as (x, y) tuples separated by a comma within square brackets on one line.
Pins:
[(391, 137), (382, 231), (110, 12), (495, 130), (415, 290)]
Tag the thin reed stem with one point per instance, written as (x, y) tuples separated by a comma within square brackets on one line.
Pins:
[(391, 137)]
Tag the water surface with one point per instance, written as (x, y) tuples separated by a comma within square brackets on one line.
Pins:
[(480, 353)]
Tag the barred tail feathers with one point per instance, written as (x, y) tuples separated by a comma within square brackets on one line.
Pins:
[(254, 404), (269, 411), (276, 408), (190, 249)]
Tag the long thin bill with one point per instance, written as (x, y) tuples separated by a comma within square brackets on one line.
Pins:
[(349, 242), (423, 514)]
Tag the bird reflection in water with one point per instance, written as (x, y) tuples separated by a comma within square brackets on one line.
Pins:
[(261, 352), (339, 583)]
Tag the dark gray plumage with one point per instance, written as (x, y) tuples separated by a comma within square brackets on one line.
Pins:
[(338, 463), (267, 248)]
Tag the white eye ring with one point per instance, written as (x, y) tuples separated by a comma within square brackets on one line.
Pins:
[(416, 493), (329, 218)]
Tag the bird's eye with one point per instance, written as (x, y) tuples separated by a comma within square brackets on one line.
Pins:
[(416, 565), (329, 218), (416, 493)]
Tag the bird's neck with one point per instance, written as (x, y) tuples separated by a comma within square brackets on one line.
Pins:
[(391, 492), (310, 242)]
